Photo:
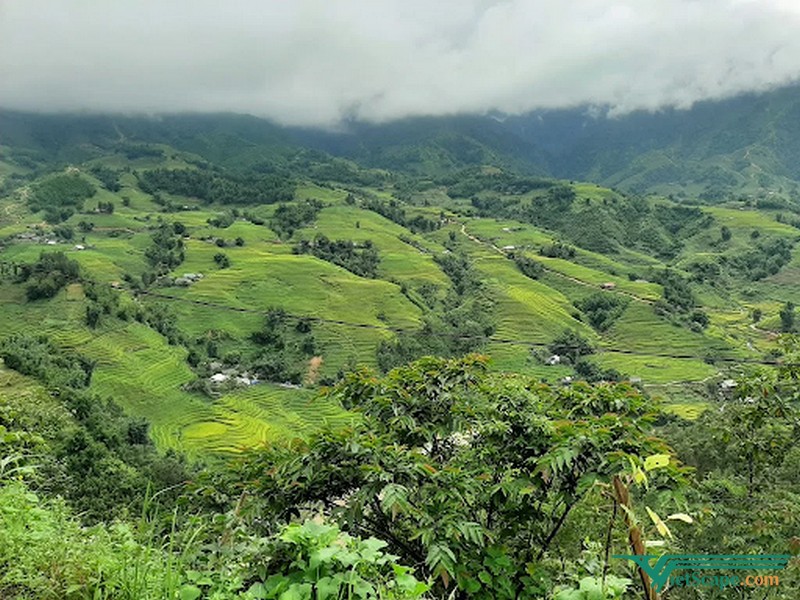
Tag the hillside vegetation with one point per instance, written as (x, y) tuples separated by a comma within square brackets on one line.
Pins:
[(168, 270), (234, 366)]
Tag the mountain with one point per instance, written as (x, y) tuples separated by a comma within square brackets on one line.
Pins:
[(430, 145), (225, 139), (744, 143)]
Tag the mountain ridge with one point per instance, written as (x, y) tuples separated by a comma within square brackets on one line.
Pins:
[(742, 145)]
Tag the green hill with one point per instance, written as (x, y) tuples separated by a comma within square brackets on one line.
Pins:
[(215, 253)]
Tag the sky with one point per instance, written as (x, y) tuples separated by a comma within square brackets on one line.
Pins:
[(319, 62)]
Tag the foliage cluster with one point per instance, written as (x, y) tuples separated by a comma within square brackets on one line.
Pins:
[(100, 460), (166, 250), (394, 211), (108, 177), (60, 196), (48, 275), (678, 300), (288, 218), (217, 188), (473, 481), (602, 309), (461, 322), (467, 183), (360, 258), (282, 350), (527, 266)]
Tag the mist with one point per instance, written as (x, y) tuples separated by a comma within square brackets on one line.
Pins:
[(316, 63)]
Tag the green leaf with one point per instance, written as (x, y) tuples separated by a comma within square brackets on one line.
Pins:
[(439, 555), (298, 591), (190, 592), (473, 532), (656, 461), (394, 499), (681, 517), (660, 525), (328, 587), (592, 588), (617, 585), (323, 555), (257, 591), (639, 476)]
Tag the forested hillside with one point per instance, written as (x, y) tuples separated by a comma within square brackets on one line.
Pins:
[(246, 361), (715, 150)]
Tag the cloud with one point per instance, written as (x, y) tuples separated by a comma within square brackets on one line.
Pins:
[(315, 62)]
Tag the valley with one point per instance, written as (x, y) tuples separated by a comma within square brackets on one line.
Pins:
[(573, 235)]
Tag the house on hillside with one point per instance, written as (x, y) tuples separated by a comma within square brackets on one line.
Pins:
[(188, 279)]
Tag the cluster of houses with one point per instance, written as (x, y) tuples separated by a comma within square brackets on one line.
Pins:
[(188, 279), (36, 238), (229, 376), (40, 237)]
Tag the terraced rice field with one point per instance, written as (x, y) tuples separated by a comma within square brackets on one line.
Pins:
[(400, 260), (526, 309), (303, 285), (138, 369)]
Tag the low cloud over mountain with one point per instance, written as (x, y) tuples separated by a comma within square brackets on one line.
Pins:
[(317, 62)]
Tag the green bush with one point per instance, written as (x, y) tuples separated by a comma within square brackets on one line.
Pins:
[(60, 196), (46, 553), (315, 557)]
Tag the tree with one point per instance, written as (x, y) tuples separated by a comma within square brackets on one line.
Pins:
[(746, 454), (529, 267), (787, 316), (572, 345), (725, 233), (60, 196), (47, 276), (287, 218), (222, 260), (361, 258), (470, 478), (317, 556), (166, 251), (93, 313), (602, 309)]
